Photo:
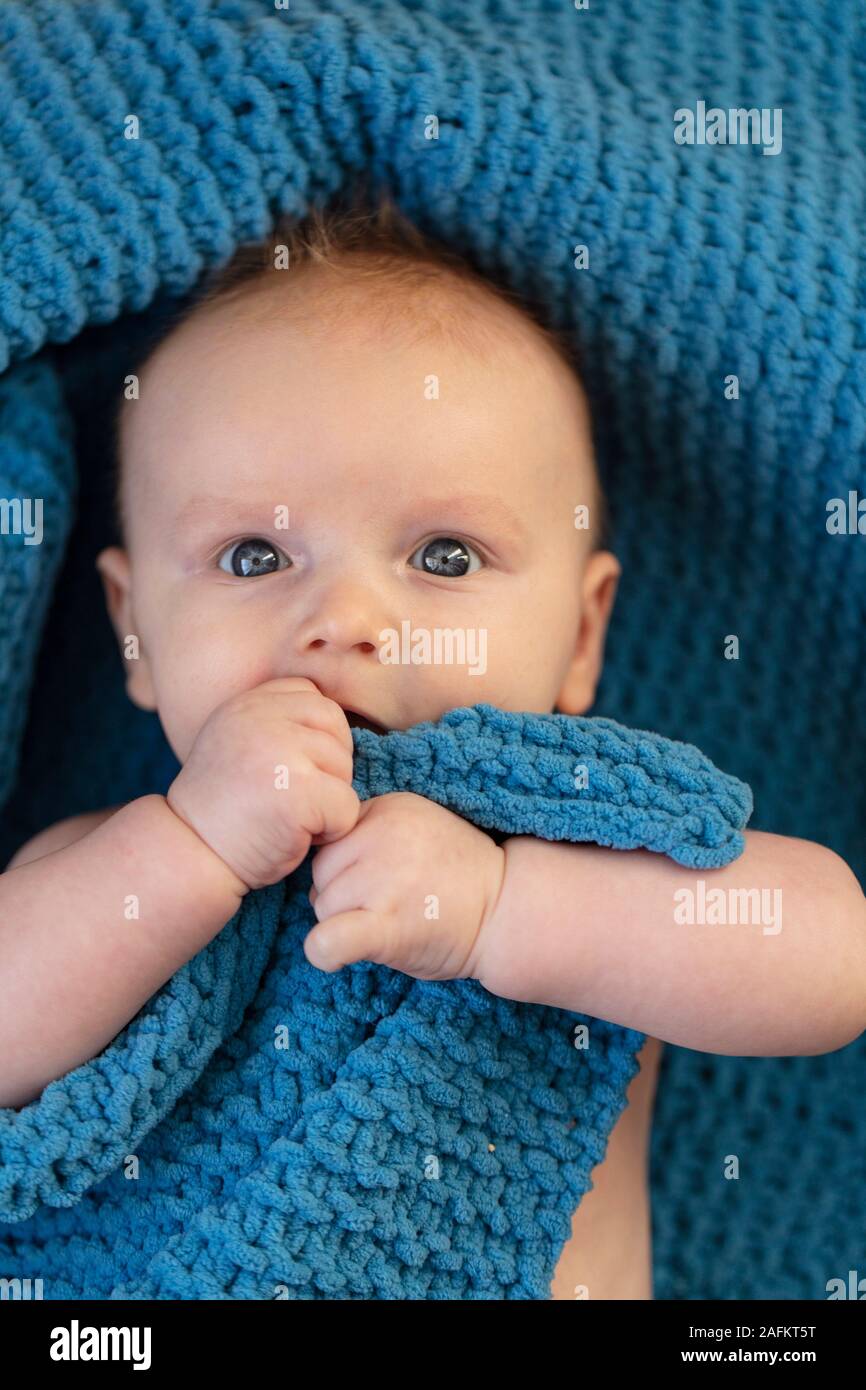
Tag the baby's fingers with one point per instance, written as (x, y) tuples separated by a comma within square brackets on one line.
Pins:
[(335, 812), (346, 938)]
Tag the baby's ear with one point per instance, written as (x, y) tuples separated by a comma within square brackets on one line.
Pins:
[(113, 566), (600, 581)]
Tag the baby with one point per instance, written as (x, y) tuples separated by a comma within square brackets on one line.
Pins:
[(359, 434)]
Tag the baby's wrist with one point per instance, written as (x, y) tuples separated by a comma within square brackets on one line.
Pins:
[(507, 954), (488, 942), (195, 855)]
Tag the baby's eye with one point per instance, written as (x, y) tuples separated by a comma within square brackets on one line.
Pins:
[(251, 556), (446, 556)]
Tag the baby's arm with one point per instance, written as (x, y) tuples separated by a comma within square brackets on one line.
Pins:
[(594, 930), (75, 964)]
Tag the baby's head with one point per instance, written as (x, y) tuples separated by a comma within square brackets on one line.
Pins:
[(357, 461)]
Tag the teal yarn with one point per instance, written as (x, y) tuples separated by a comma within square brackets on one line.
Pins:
[(555, 129), (408, 1139)]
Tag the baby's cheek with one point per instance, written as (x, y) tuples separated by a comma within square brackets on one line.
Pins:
[(195, 672)]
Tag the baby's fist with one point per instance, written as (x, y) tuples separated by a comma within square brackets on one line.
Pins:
[(269, 774), (410, 887)]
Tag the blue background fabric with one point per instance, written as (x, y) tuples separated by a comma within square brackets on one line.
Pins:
[(556, 129)]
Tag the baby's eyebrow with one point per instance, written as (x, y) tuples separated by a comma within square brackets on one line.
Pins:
[(472, 507), (205, 506), (463, 508)]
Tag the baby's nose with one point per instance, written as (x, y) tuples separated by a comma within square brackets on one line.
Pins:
[(343, 617), (344, 644)]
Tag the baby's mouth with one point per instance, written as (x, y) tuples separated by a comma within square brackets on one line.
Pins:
[(360, 721)]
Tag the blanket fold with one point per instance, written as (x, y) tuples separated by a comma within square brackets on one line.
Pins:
[(262, 1129)]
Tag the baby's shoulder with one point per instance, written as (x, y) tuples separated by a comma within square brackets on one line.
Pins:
[(58, 836)]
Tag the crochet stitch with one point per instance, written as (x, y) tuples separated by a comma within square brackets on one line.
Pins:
[(357, 1134), (555, 130)]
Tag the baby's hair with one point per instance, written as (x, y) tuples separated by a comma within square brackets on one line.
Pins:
[(366, 239)]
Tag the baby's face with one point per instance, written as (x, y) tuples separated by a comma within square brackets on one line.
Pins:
[(286, 493)]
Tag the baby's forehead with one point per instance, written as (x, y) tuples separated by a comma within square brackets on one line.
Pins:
[(350, 311), (346, 311)]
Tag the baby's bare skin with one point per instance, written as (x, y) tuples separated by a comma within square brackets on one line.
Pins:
[(64, 994)]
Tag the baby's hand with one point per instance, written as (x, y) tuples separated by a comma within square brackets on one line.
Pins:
[(410, 887), (269, 774)]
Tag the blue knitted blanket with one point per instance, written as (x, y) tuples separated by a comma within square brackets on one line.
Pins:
[(264, 1130), (555, 130)]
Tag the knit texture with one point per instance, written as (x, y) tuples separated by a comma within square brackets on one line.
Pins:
[(555, 130), (358, 1134)]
